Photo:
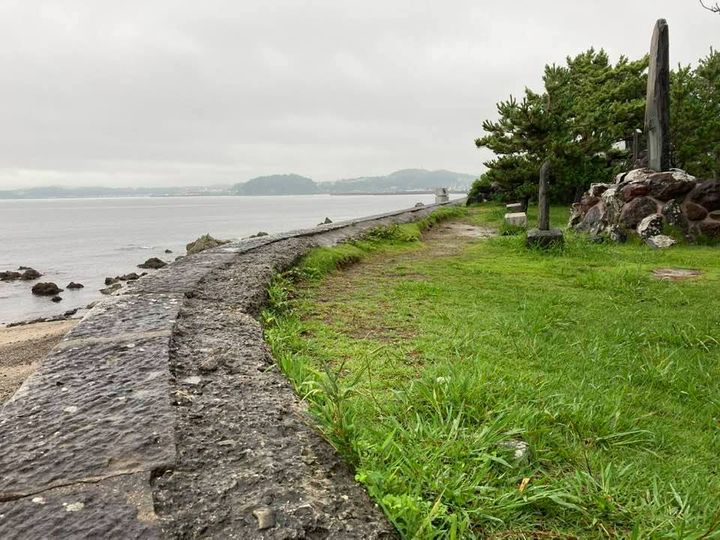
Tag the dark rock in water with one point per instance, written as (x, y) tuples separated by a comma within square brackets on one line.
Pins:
[(259, 234), (419, 205), (91, 305), (46, 289), (111, 289), (153, 263), (21, 268), (204, 242), (327, 221), (9, 276), (132, 276), (73, 285), (168, 251), (56, 299), (70, 312), (30, 274)]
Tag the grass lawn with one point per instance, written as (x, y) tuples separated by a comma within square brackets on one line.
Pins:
[(482, 390)]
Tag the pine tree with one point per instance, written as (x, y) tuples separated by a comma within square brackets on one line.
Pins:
[(587, 106)]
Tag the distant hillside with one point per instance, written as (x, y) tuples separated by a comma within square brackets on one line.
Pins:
[(278, 184), (404, 180)]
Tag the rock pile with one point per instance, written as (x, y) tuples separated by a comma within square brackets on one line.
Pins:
[(24, 273), (661, 207)]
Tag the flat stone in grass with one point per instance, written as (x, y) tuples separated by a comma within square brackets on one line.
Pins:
[(675, 274), (544, 239), (516, 219), (660, 241), (514, 207)]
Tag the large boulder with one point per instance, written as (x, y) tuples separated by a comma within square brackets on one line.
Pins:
[(46, 289), (695, 212), (637, 209), (706, 194), (613, 202), (709, 228), (29, 274), (634, 190), (652, 225), (10, 276), (592, 223), (153, 263), (674, 216), (204, 242), (670, 185)]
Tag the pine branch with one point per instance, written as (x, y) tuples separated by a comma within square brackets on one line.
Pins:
[(713, 8)]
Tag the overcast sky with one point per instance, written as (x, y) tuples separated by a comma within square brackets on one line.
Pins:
[(161, 92)]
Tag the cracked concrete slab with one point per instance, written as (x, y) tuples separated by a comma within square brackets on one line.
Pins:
[(120, 507), (91, 411)]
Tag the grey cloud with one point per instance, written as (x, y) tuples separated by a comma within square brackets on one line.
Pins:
[(167, 92)]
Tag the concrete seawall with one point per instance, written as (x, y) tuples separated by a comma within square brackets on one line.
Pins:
[(162, 414)]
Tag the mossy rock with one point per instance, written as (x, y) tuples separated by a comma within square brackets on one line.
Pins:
[(204, 242)]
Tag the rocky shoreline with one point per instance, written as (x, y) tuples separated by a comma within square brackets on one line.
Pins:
[(182, 411)]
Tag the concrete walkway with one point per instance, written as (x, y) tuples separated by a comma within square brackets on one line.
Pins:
[(162, 414)]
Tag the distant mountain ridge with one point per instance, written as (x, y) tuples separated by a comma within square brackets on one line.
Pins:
[(405, 180), (397, 182), (277, 184)]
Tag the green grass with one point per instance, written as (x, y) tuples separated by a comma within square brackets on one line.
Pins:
[(420, 365)]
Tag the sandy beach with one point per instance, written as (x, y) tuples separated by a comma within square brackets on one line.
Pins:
[(23, 347)]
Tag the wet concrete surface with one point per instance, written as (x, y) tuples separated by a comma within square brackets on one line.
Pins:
[(163, 415)]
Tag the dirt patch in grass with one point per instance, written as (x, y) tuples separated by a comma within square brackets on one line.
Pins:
[(675, 274), (387, 270)]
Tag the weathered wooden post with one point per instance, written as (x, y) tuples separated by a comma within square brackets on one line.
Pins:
[(544, 236), (543, 200), (657, 108)]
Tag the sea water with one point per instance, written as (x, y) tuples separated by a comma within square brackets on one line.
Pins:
[(85, 240)]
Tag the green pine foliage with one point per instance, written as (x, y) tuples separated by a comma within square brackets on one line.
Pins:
[(588, 106), (695, 117)]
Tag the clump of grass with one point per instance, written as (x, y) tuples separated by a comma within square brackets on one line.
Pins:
[(609, 378)]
